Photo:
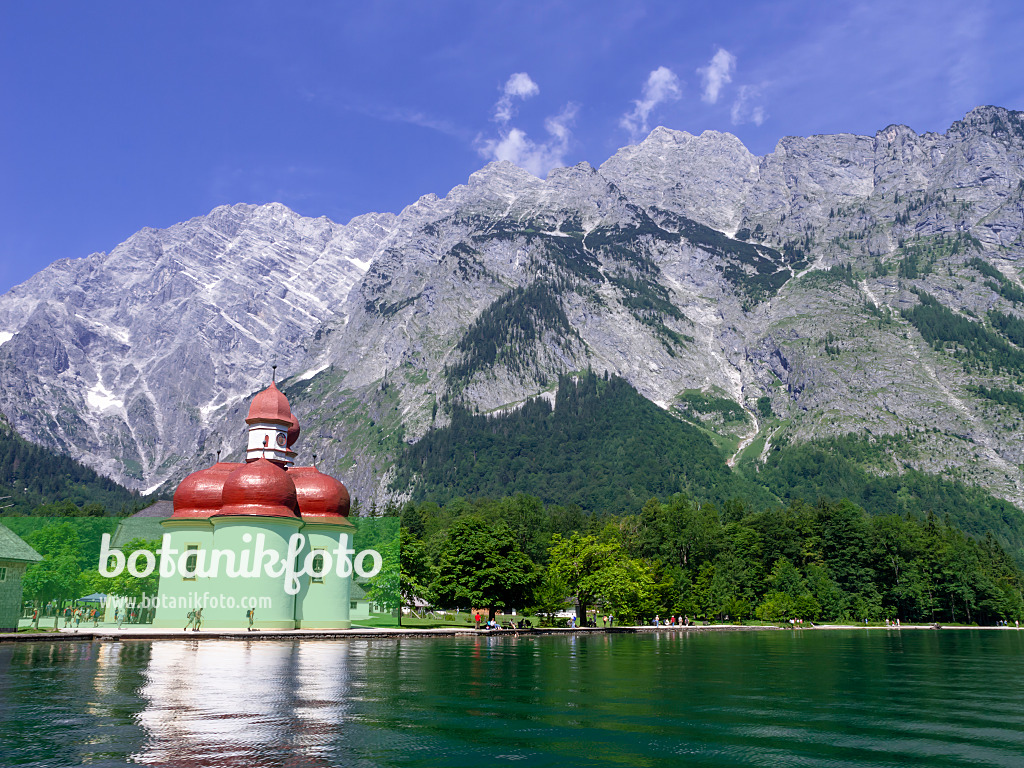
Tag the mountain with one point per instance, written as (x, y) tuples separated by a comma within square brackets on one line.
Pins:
[(126, 360), (840, 285)]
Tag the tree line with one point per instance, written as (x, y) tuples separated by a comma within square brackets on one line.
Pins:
[(828, 561)]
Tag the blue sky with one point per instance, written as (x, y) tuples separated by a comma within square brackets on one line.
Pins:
[(117, 116)]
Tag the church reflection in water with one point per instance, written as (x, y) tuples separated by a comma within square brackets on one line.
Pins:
[(253, 703)]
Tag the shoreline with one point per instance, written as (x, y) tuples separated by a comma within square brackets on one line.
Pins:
[(114, 635), (105, 634)]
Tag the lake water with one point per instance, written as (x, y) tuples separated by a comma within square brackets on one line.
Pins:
[(810, 698)]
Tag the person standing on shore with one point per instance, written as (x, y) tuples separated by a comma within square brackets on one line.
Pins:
[(251, 615)]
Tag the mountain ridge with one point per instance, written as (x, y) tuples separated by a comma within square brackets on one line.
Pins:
[(681, 263)]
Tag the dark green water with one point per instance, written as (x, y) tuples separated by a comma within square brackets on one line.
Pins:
[(811, 698)]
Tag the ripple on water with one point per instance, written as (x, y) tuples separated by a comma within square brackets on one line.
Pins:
[(783, 698)]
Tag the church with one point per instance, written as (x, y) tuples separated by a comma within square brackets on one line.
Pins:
[(264, 536)]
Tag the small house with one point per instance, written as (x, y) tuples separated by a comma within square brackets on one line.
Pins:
[(15, 558)]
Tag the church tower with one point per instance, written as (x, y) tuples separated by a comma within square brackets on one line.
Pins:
[(272, 428)]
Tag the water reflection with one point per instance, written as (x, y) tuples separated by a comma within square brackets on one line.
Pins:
[(821, 699), (261, 703)]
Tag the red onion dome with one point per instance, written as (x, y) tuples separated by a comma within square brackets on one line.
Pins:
[(259, 488), (293, 431), (320, 496), (199, 495), (270, 405)]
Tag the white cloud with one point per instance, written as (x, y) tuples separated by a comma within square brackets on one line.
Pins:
[(662, 85), (519, 86), (748, 107), (717, 74), (516, 147)]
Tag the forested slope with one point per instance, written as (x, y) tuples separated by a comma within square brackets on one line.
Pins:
[(31, 476), (605, 448), (602, 447)]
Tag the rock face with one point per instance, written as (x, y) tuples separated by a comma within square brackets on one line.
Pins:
[(126, 360), (684, 263)]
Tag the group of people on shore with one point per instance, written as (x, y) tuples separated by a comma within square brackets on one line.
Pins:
[(673, 621), (78, 615), (493, 624), (193, 620), (71, 616)]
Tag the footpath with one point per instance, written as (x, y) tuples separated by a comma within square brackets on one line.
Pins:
[(149, 633), (112, 634)]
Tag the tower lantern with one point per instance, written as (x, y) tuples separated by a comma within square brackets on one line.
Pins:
[(271, 426)]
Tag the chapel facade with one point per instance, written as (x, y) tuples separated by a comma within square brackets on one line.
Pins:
[(229, 517)]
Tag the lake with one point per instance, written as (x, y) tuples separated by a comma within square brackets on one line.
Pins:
[(806, 698)]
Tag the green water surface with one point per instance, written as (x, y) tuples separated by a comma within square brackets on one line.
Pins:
[(810, 698)]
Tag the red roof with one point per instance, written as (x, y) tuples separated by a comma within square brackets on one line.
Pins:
[(320, 496), (271, 405), (259, 488), (198, 496)]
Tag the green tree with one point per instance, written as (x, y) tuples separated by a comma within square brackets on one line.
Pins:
[(384, 589), (415, 574), (788, 596), (576, 562), (825, 590), (679, 531), (625, 587), (549, 597), (133, 587), (58, 576), (598, 569), (481, 565)]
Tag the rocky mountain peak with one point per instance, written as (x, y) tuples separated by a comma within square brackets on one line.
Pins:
[(703, 177), (772, 291), (990, 120), (500, 175)]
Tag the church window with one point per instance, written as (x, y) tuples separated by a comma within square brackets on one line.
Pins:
[(191, 562)]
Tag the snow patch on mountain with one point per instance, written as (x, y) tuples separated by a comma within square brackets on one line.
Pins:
[(102, 399)]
